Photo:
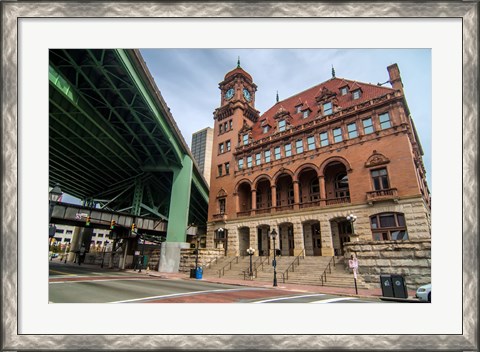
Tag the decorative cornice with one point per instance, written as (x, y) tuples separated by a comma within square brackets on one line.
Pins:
[(376, 159)]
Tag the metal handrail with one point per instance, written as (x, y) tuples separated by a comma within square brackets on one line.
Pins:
[(255, 266), (205, 266), (324, 275), (221, 271), (264, 259), (292, 264)]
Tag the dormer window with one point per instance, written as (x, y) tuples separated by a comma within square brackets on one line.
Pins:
[(298, 109), (282, 125), (306, 113), (343, 90), (265, 128), (356, 94), (327, 109)]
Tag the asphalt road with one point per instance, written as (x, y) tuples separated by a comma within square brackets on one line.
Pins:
[(70, 283)]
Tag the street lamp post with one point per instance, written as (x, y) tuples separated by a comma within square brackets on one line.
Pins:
[(143, 253), (103, 255), (197, 246), (65, 254), (250, 252), (53, 196), (352, 218), (353, 262), (273, 234)]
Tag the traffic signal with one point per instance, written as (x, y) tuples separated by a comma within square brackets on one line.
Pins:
[(112, 224), (87, 223), (134, 227)]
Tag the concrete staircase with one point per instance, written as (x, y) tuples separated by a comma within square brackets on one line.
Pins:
[(306, 270), (227, 267), (310, 271)]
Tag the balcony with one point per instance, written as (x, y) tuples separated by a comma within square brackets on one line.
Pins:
[(336, 201), (382, 195), (284, 207), (244, 213), (315, 203), (221, 216), (263, 211)]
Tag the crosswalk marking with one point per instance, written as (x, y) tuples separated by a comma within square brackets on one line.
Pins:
[(184, 294), (331, 300), (289, 297)]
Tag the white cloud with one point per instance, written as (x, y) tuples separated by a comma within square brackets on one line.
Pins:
[(188, 79)]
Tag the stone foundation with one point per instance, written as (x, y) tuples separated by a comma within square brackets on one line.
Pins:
[(411, 259), (205, 256)]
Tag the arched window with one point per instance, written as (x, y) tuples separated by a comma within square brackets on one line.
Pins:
[(341, 185), (314, 189), (388, 227)]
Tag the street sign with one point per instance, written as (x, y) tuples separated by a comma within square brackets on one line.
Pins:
[(79, 216)]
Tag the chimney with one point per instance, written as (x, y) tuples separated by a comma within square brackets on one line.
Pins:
[(395, 79)]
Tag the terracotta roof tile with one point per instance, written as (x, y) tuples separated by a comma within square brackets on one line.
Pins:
[(238, 70), (369, 91)]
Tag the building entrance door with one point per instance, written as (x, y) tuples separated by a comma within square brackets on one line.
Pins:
[(244, 240), (344, 232), (316, 240)]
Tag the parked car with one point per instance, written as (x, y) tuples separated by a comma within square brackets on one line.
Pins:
[(424, 293)]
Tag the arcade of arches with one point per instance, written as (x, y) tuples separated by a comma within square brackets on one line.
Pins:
[(308, 211), (287, 191), (293, 238)]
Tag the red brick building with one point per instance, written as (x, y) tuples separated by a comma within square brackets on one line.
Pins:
[(341, 147)]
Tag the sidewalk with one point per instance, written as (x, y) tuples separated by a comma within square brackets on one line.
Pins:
[(344, 291)]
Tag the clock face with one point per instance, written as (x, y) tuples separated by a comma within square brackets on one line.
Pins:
[(246, 94), (229, 93)]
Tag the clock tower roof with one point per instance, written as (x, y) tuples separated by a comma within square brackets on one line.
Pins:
[(238, 71)]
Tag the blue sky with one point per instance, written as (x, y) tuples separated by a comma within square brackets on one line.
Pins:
[(188, 79)]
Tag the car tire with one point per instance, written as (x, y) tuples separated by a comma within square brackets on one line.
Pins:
[(430, 297)]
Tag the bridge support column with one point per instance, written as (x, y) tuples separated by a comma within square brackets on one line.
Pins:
[(178, 218), (75, 243)]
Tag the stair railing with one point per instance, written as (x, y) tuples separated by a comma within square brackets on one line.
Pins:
[(323, 277), (262, 261), (255, 266), (291, 267), (210, 263), (221, 272)]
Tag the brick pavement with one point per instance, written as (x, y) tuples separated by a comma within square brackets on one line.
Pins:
[(344, 291)]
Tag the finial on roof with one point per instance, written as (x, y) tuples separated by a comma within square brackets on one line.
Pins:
[(277, 97), (333, 72), (238, 62)]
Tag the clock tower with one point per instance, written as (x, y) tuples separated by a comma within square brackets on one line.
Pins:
[(233, 122)]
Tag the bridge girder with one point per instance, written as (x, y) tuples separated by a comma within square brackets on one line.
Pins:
[(111, 130)]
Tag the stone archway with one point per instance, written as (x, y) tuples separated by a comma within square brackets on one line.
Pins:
[(243, 240), (286, 239), (312, 238), (341, 232), (263, 240)]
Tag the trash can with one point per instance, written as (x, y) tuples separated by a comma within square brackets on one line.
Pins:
[(399, 287), (199, 273), (192, 273), (386, 283)]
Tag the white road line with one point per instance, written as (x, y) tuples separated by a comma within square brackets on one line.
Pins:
[(339, 299), (90, 279), (180, 294), (289, 297)]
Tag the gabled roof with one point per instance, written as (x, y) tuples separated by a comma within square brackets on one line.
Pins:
[(369, 91)]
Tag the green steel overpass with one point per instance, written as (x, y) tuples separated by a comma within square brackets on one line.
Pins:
[(114, 144)]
